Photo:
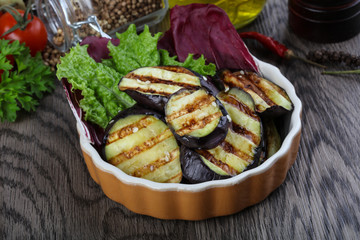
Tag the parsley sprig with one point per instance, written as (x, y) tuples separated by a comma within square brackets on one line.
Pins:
[(24, 84)]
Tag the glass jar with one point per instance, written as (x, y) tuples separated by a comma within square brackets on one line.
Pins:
[(240, 12), (325, 20), (69, 21)]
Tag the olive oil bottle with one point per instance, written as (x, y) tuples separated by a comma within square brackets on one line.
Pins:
[(240, 12)]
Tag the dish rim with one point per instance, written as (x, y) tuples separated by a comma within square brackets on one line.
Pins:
[(270, 72)]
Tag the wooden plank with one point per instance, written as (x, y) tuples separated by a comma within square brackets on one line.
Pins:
[(47, 193)]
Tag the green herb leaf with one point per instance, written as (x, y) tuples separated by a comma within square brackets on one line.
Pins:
[(24, 86), (102, 99)]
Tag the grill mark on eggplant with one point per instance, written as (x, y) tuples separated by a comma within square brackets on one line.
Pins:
[(151, 91), (128, 130), (246, 133), (211, 158), (239, 105), (176, 69), (151, 79), (202, 101), (229, 148), (153, 166), (241, 81), (256, 79), (195, 124), (148, 144)]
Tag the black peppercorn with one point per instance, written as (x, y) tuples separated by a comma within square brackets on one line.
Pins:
[(334, 57), (112, 15)]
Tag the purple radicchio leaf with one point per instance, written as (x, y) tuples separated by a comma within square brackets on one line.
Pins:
[(206, 29)]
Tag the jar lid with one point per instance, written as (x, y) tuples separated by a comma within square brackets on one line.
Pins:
[(325, 21), (327, 3)]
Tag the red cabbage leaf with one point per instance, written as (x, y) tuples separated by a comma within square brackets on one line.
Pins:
[(206, 29), (98, 49)]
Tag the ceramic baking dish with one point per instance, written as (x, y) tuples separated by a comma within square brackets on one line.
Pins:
[(203, 200)]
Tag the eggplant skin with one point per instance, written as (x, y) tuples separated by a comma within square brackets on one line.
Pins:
[(194, 169), (218, 82), (272, 139), (209, 85), (210, 140), (151, 101), (258, 154)]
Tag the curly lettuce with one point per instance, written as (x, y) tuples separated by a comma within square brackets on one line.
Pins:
[(141, 50), (97, 82)]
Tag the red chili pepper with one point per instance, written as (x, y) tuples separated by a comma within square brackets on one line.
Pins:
[(268, 42), (278, 48)]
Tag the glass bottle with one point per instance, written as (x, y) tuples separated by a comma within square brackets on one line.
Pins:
[(69, 21), (63, 20)]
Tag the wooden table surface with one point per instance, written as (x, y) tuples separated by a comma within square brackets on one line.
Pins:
[(46, 191)]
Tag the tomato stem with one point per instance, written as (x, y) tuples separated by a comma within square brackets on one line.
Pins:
[(21, 20)]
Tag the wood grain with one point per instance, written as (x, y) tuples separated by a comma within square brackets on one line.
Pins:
[(47, 193)]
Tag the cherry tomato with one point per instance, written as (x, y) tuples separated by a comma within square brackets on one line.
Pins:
[(34, 35)]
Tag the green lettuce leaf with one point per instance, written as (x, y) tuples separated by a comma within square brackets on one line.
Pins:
[(102, 99), (197, 65), (135, 51)]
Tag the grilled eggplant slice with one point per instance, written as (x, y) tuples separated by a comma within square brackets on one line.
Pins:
[(197, 118), (140, 143), (269, 98), (239, 151), (272, 139), (231, 157), (151, 86), (243, 143), (194, 168)]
